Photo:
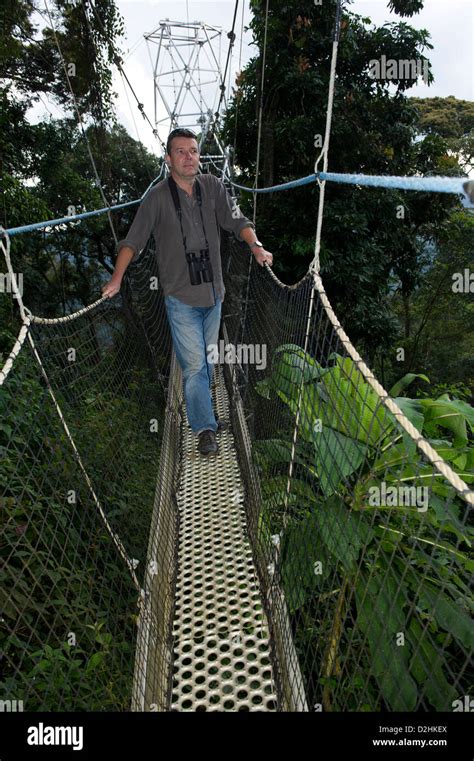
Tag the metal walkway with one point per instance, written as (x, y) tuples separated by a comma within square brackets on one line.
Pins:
[(221, 658)]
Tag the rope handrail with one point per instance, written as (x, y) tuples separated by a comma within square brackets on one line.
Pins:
[(323, 519), (434, 184), (27, 318), (66, 220)]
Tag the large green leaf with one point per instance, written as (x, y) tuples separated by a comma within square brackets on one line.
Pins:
[(353, 408), (451, 617), (275, 493), (291, 366), (270, 452), (381, 617), (463, 408), (343, 533), (401, 384), (447, 414), (427, 668), (336, 457), (397, 455), (446, 517), (412, 409), (302, 547)]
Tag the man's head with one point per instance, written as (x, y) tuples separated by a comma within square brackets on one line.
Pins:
[(182, 153)]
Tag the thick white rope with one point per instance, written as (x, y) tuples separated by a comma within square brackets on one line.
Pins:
[(260, 114), (15, 351), (26, 315), (423, 445), (427, 450), (314, 267)]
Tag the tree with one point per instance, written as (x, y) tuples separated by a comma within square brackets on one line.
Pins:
[(64, 266), (452, 119), (45, 169), (368, 234)]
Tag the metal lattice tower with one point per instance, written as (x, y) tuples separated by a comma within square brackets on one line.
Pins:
[(188, 81)]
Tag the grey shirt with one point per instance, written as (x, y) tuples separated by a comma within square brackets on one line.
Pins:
[(157, 215)]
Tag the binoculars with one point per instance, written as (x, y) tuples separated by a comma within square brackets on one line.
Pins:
[(199, 268)]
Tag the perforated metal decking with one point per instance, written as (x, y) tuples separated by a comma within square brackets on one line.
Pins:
[(221, 658)]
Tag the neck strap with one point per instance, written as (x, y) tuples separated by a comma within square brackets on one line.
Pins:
[(177, 205)]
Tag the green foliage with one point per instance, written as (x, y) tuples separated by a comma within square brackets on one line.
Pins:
[(82, 679), (348, 444), (437, 321), (61, 572), (86, 36), (452, 119), (365, 246)]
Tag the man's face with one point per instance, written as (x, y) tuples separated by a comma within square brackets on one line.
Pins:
[(183, 158)]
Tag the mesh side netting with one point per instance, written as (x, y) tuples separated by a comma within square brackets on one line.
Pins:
[(365, 580), (364, 551), (69, 604)]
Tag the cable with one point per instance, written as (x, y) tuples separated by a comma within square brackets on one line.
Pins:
[(222, 86), (118, 62), (240, 71), (260, 112)]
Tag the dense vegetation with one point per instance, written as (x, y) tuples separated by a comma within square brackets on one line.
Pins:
[(388, 273)]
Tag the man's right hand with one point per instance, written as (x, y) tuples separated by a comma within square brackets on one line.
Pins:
[(111, 288)]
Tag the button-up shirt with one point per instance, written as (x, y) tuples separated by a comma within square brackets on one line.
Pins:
[(157, 215)]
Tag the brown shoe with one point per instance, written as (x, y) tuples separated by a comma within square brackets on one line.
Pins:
[(207, 443)]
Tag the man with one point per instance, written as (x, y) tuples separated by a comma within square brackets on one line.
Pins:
[(184, 214)]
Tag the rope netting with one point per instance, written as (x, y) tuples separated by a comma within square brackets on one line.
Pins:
[(357, 503), (359, 509), (82, 402)]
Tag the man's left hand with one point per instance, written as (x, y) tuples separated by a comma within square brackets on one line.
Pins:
[(263, 257)]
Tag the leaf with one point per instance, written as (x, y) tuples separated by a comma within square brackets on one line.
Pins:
[(291, 366), (276, 487), (336, 457), (302, 547), (446, 518), (353, 408), (263, 388), (401, 384), (451, 617), (396, 456), (426, 667), (444, 413), (343, 533), (412, 409), (381, 617), (465, 410), (94, 661), (270, 452)]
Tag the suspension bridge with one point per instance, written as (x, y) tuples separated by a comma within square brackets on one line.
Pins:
[(300, 570)]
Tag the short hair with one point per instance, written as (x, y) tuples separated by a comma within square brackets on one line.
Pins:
[(179, 132)]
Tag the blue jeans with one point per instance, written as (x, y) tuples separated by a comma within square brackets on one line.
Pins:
[(193, 329)]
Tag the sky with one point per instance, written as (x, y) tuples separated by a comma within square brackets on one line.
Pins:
[(450, 23)]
